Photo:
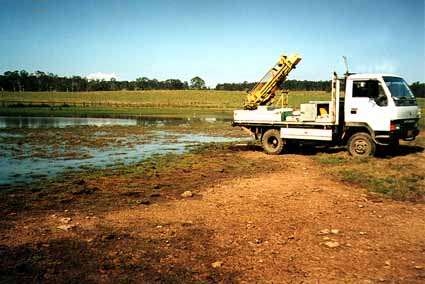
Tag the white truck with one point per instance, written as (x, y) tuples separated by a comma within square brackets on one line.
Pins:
[(375, 109)]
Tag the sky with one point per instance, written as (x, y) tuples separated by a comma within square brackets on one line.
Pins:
[(220, 41)]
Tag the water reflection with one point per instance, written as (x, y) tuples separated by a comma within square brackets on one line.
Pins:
[(21, 161), (62, 122)]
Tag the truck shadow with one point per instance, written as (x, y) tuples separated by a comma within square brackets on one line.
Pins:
[(381, 152), (308, 150), (402, 150), (312, 150)]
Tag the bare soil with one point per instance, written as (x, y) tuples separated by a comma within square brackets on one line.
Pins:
[(253, 218)]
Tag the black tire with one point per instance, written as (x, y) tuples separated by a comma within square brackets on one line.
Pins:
[(272, 143), (361, 145)]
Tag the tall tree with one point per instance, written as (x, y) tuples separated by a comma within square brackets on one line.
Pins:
[(197, 83)]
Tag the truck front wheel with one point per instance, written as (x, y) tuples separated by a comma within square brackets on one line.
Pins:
[(272, 143), (361, 145)]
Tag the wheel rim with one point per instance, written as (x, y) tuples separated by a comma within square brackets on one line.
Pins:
[(272, 142), (360, 146)]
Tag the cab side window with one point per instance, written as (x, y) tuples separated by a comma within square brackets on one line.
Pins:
[(370, 89)]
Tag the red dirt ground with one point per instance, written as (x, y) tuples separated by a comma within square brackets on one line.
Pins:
[(267, 227)]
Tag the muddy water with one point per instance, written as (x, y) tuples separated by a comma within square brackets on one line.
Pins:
[(33, 148)]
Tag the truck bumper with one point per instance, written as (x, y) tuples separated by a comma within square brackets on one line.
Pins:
[(401, 129), (405, 134), (406, 129)]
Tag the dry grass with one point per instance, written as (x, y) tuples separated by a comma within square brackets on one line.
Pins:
[(398, 174), (155, 98)]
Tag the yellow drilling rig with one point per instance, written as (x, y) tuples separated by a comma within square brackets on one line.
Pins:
[(265, 90)]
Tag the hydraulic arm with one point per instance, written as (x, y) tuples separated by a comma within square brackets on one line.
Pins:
[(266, 89)]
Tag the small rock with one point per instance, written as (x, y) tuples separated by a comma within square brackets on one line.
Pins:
[(324, 232), (186, 194), (331, 244), (388, 263), (326, 238), (66, 227), (155, 195), (65, 220), (217, 264), (419, 267), (362, 233), (335, 231), (361, 205)]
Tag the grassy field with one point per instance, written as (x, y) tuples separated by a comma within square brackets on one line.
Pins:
[(170, 103), (185, 103)]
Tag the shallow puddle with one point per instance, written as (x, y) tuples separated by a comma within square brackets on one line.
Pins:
[(61, 122), (30, 150)]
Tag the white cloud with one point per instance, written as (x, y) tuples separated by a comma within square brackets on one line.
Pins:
[(386, 67), (383, 67), (102, 76)]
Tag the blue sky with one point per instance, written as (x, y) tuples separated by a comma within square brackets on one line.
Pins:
[(220, 41)]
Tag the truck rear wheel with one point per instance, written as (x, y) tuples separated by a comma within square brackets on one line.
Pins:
[(272, 143), (361, 145)]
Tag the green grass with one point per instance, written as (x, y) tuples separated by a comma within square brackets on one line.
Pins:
[(170, 103), (160, 98), (134, 103), (399, 177)]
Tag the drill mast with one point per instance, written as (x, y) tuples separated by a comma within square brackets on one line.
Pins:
[(266, 89)]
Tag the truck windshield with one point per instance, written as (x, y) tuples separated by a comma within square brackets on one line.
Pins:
[(400, 91)]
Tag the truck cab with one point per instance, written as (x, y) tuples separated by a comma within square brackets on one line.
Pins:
[(381, 105)]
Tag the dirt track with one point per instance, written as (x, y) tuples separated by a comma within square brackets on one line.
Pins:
[(271, 227)]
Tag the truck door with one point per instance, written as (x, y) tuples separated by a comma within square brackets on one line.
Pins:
[(367, 103)]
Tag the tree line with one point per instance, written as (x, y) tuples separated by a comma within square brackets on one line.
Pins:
[(20, 81), (418, 89), (292, 85)]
